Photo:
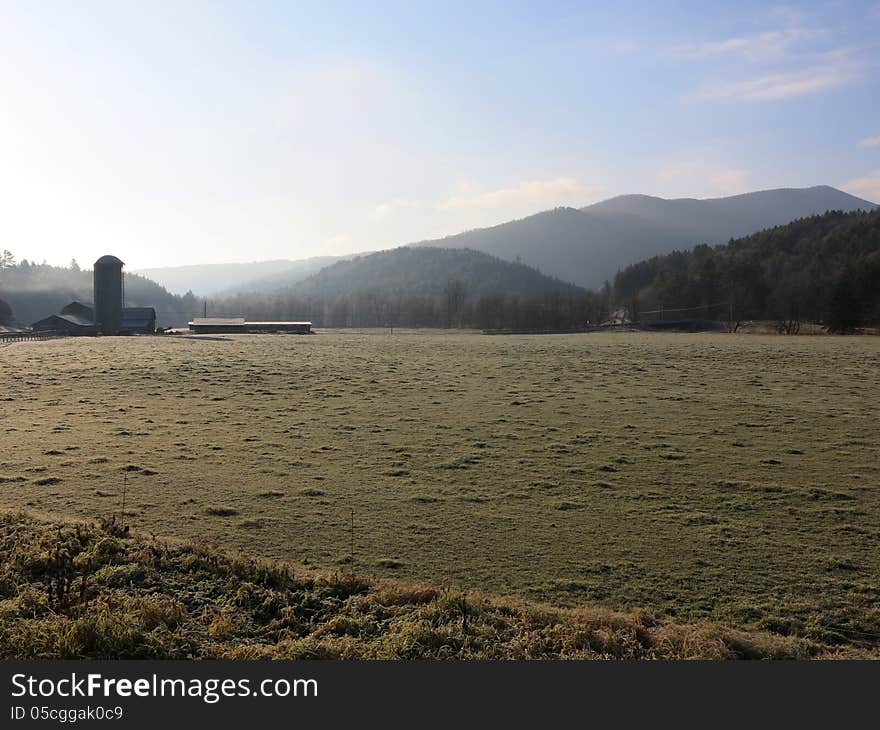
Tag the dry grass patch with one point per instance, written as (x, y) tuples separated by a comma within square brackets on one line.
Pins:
[(73, 591)]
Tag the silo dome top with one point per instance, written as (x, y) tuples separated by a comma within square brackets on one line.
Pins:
[(109, 260)]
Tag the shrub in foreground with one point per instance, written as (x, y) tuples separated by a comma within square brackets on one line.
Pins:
[(83, 591)]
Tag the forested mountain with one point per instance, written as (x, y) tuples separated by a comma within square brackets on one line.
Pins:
[(34, 291), (588, 246), (427, 287), (211, 279), (426, 271), (585, 247), (824, 268)]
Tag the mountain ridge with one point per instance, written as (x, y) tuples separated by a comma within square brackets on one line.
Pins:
[(584, 246), (426, 271), (225, 278), (587, 246)]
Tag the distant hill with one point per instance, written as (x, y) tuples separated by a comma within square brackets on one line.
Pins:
[(205, 280), (426, 272), (35, 291), (588, 246), (585, 247), (423, 287), (824, 268)]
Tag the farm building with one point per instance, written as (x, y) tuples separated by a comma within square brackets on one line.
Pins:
[(79, 319), (80, 310), (108, 315), (296, 328), (238, 325), (108, 289), (72, 324), (138, 320)]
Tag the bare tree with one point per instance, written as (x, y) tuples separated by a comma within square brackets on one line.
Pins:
[(455, 296)]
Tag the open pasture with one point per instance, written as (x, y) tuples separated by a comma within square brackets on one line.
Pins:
[(727, 477)]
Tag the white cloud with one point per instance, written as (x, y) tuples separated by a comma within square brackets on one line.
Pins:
[(867, 187), (870, 142), (785, 85), (796, 61), (760, 47), (536, 194)]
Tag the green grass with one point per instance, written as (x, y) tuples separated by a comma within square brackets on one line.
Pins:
[(717, 478), (75, 591)]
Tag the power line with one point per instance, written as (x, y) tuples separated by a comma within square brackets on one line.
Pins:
[(682, 309)]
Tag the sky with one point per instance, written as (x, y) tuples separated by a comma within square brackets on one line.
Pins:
[(181, 133)]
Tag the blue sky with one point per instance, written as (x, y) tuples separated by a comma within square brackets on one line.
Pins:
[(204, 132)]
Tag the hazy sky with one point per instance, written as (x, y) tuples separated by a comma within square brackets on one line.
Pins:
[(187, 132)]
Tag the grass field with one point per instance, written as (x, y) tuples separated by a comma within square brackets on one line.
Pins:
[(730, 478)]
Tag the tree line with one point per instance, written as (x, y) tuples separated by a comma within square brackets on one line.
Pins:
[(453, 308), (425, 286), (30, 291), (823, 269)]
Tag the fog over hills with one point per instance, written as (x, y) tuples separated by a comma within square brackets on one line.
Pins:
[(211, 279), (35, 291), (584, 246), (423, 286)]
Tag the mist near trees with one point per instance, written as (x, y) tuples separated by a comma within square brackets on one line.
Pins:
[(34, 291), (424, 287)]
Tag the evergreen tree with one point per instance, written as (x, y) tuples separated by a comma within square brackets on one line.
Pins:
[(5, 313), (845, 307)]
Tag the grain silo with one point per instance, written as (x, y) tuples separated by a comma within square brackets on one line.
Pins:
[(108, 295)]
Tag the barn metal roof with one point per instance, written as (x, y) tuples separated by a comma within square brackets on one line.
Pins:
[(69, 318), (219, 321), (276, 324)]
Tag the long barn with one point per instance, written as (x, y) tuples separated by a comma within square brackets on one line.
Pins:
[(238, 325)]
